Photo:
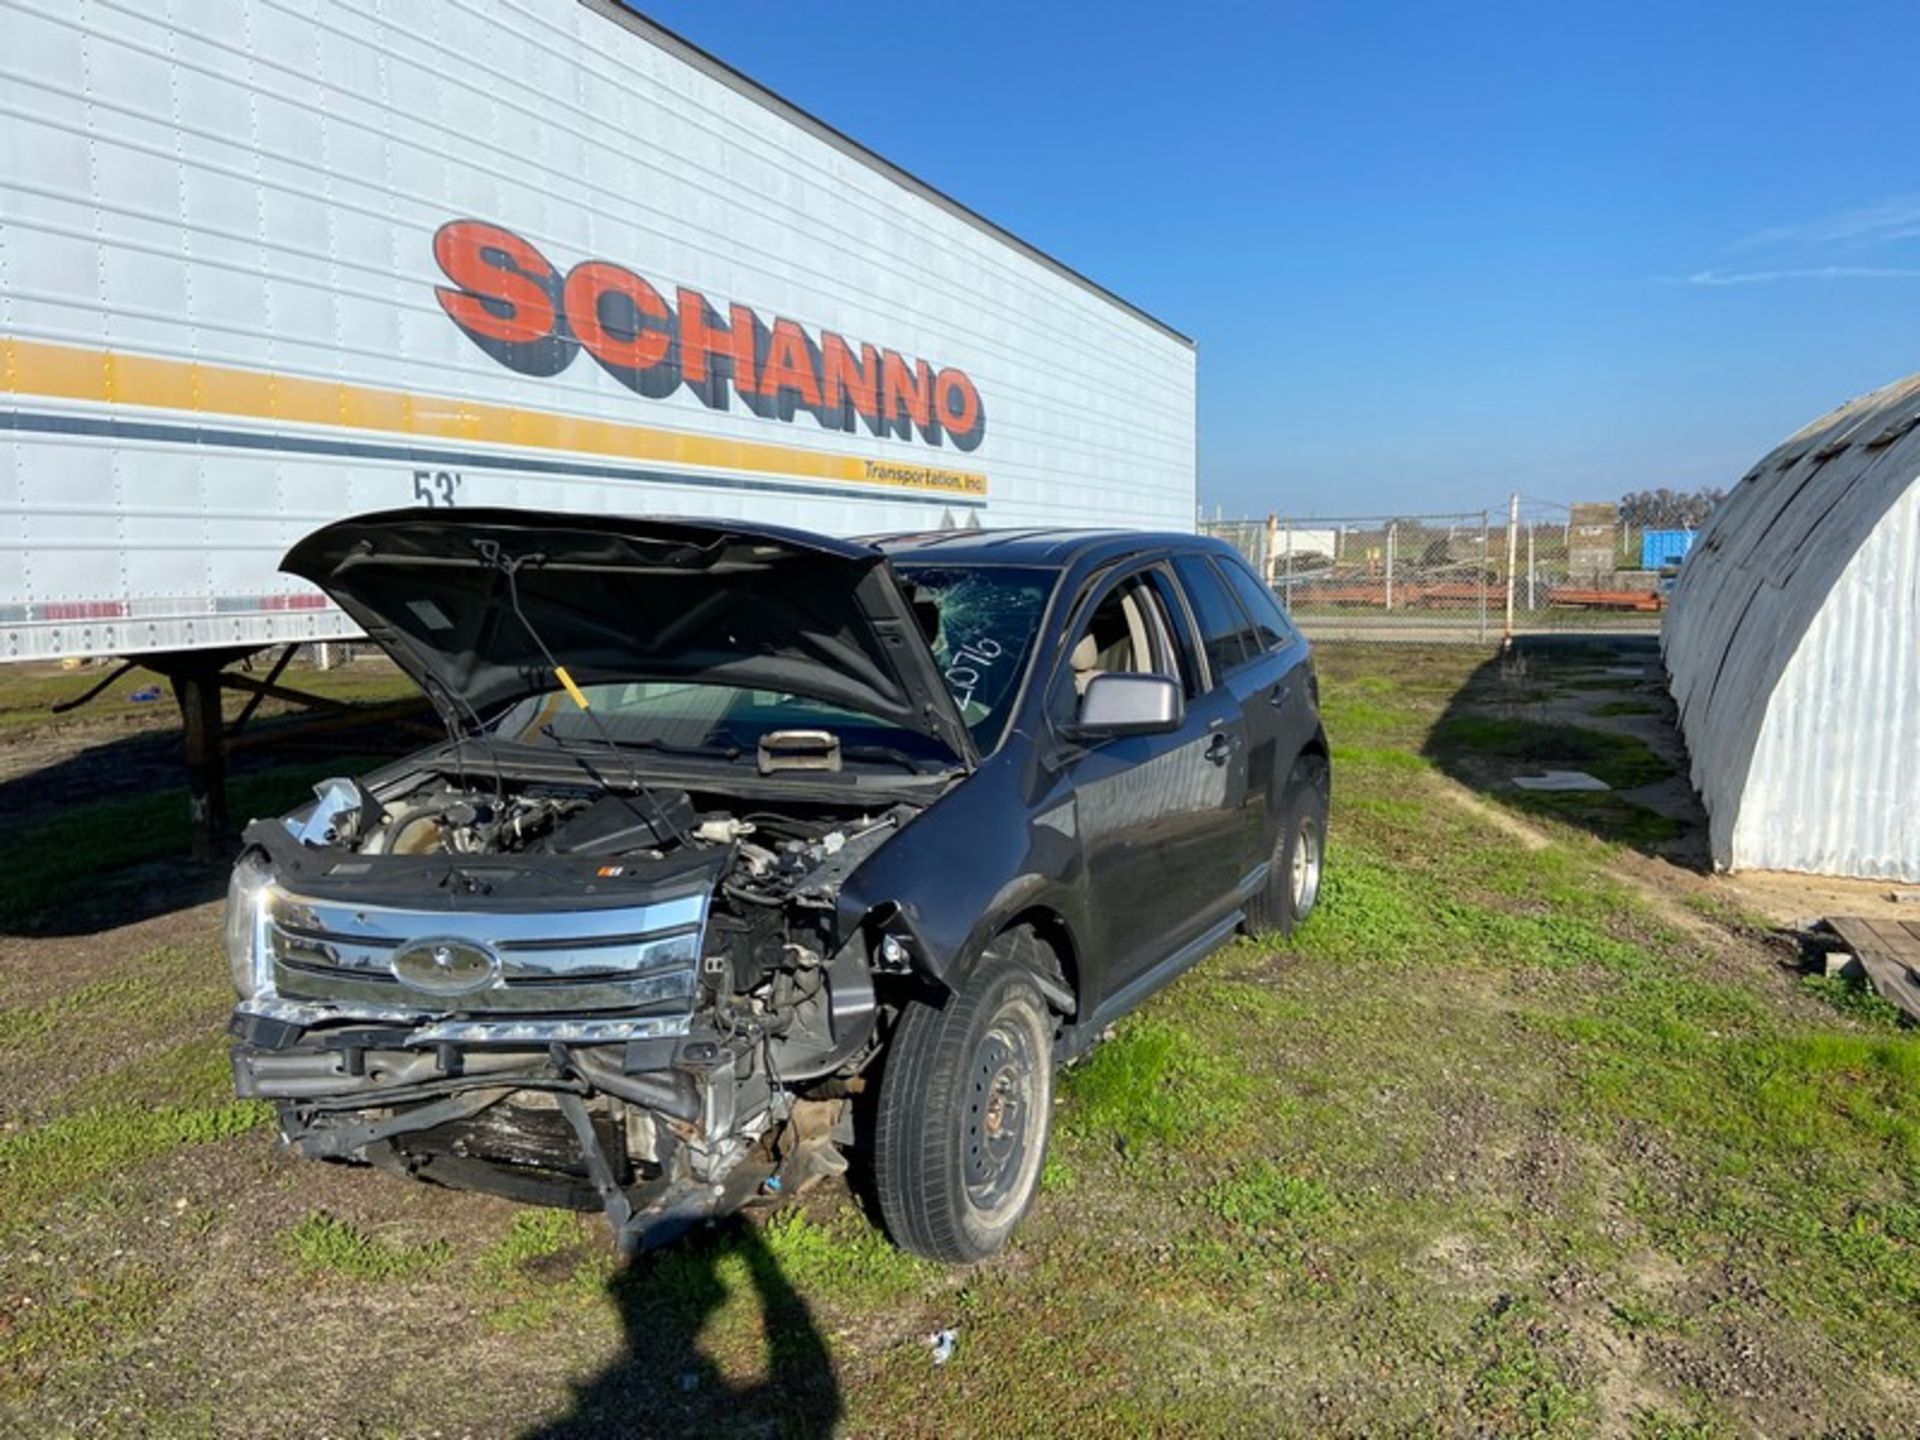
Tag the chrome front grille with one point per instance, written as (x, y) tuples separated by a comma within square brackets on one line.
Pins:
[(627, 959)]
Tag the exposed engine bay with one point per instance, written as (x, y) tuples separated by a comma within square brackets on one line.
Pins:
[(632, 998)]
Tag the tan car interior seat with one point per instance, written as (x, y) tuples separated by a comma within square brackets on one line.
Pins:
[(1116, 642)]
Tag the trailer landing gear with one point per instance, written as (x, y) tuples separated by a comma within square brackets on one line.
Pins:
[(198, 679)]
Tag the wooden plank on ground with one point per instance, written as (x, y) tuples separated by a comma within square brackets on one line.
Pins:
[(1889, 952)]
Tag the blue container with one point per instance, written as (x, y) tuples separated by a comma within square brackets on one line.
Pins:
[(1664, 547)]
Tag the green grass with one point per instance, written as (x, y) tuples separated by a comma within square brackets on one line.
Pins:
[(1621, 760), (1728, 912), (167, 983), (1611, 817), (326, 1244), (1626, 707), (74, 1152), (67, 860), (549, 1262), (76, 1320), (1264, 1196), (533, 1235), (1518, 1388), (1494, 1145), (1153, 1084), (1857, 998), (29, 693), (842, 1255)]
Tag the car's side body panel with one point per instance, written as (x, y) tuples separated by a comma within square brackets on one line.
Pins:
[(1143, 847)]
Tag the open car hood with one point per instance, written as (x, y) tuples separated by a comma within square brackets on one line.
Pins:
[(619, 598)]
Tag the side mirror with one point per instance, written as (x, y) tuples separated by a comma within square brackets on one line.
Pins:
[(1129, 705)]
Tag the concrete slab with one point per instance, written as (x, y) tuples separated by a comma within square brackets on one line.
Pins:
[(1561, 780)]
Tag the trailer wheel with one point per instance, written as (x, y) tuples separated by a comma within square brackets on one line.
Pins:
[(1299, 852), (966, 1103)]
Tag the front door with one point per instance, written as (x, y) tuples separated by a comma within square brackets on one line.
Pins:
[(1157, 815)]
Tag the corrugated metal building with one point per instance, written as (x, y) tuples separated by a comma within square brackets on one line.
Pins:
[(1793, 646)]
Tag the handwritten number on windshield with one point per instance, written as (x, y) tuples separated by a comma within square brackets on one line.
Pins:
[(969, 666)]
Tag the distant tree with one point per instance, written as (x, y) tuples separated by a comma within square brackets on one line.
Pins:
[(1665, 509)]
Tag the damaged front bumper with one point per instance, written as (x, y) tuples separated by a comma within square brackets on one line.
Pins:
[(554, 1053), (660, 1130)]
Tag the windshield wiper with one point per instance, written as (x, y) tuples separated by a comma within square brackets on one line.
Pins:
[(646, 742)]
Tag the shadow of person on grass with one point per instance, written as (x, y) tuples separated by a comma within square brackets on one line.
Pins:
[(664, 1384)]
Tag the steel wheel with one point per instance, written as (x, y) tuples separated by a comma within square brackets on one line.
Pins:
[(966, 1100), (1303, 879), (999, 1110)]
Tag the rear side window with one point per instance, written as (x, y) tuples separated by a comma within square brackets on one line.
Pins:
[(1224, 632), (1269, 620)]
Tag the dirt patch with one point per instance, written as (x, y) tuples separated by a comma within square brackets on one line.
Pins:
[(38, 969), (1795, 901), (1527, 835)]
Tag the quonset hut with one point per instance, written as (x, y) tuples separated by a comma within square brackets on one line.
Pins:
[(1793, 647)]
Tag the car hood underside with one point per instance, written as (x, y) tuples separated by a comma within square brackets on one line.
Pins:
[(458, 599)]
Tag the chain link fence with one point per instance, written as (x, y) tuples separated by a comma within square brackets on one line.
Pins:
[(1469, 576)]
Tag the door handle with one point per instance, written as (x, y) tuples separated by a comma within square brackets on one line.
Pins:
[(1280, 695), (1220, 748)]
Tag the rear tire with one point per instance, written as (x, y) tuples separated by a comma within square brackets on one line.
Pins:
[(966, 1103), (1299, 852)]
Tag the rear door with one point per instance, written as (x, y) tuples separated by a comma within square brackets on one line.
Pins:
[(1276, 689), (1237, 670)]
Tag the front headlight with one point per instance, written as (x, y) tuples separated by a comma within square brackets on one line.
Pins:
[(247, 895)]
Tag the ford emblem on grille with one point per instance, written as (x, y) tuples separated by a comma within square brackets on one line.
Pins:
[(446, 967)]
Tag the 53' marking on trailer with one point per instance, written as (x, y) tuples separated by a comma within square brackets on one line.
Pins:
[(437, 489)]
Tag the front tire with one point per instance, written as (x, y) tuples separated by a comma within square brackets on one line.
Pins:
[(1299, 852), (966, 1104)]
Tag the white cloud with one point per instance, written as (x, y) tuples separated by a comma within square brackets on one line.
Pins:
[(1888, 222), (1797, 272)]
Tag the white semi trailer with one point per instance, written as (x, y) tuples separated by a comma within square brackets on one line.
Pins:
[(266, 263), (263, 264)]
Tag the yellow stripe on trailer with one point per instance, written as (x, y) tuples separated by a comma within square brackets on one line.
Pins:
[(66, 372)]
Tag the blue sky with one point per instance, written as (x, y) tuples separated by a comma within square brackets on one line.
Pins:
[(1431, 253)]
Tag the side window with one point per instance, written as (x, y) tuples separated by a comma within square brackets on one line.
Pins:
[(1125, 635), (1225, 633), (1269, 620), (1183, 661)]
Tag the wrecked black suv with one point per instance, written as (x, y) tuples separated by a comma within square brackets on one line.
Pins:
[(741, 833)]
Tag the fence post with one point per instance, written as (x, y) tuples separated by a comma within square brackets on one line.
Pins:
[(1392, 527), (1486, 531), (1532, 604), (1289, 566), (1266, 570), (1513, 555)]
